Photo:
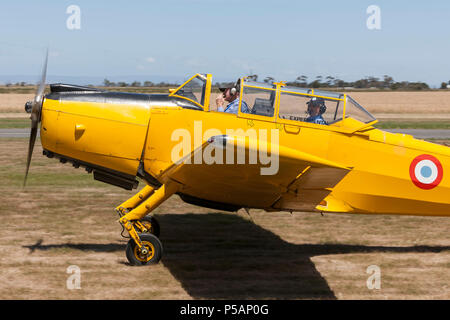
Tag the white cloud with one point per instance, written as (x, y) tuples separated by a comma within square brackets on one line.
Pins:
[(150, 59)]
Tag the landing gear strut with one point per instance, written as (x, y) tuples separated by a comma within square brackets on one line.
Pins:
[(144, 246), (148, 224)]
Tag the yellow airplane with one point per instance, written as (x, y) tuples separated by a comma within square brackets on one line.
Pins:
[(285, 149)]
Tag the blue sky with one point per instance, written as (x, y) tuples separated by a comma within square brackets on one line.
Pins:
[(174, 39)]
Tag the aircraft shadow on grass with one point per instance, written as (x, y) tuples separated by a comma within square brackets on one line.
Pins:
[(223, 256)]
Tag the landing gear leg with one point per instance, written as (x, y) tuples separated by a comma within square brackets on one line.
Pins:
[(144, 248), (148, 224)]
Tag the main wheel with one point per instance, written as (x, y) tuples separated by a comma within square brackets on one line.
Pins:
[(151, 224), (153, 246)]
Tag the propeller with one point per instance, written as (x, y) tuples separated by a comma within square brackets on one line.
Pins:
[(34, 107)]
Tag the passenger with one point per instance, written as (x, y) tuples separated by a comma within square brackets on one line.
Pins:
[(316, 107), (230, 95)]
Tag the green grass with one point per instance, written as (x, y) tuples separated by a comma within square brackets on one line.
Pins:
[(413, 125), (14, 123)]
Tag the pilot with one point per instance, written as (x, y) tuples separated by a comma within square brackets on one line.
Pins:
[(316, 107), (230, 95)]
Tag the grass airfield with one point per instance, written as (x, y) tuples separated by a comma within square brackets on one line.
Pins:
[(65, 218)]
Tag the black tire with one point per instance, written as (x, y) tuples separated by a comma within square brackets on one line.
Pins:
[(151, 224), (152, 243)]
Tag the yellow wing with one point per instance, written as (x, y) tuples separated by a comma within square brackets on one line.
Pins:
[(255, 174)]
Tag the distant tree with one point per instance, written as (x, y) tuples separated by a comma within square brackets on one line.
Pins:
[(395, 86), (444, 85), (339, 83), (361, 83), (387, 81), (269, 80), (373, 82), (315, 84), (330, 81), (405, 85), (108, 83), (302, 80), (417, 86), (122, 84), (136, 84), (148, 84)]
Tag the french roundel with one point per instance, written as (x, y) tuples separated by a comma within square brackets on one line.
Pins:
[(426, 171)]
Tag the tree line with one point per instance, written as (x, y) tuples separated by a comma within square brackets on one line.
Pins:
[(387, 82), (302, 81), (108, 83)]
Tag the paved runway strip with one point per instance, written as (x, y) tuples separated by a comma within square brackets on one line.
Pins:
[(15, 133), (424, 133)]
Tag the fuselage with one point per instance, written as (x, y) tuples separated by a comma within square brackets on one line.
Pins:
[(379, 182), (122, 136)]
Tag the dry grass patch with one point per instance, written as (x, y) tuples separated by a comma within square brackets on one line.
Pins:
[(429, 102), (14, 102), (66, 218)]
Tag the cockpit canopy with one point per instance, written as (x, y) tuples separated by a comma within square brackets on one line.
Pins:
[(280, 102)]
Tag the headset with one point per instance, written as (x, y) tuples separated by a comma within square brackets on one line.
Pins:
[(235, 88)]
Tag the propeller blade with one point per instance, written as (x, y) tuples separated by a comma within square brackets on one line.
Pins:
[(37, 103), (41, 87), (36, 115), (33, 135)]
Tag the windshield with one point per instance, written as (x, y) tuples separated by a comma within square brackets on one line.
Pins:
[(354, 110), (193, 89)]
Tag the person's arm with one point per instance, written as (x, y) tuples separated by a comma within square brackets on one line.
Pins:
[(220, 101)]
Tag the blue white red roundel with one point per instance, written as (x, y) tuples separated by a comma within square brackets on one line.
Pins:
[(426, 171)]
